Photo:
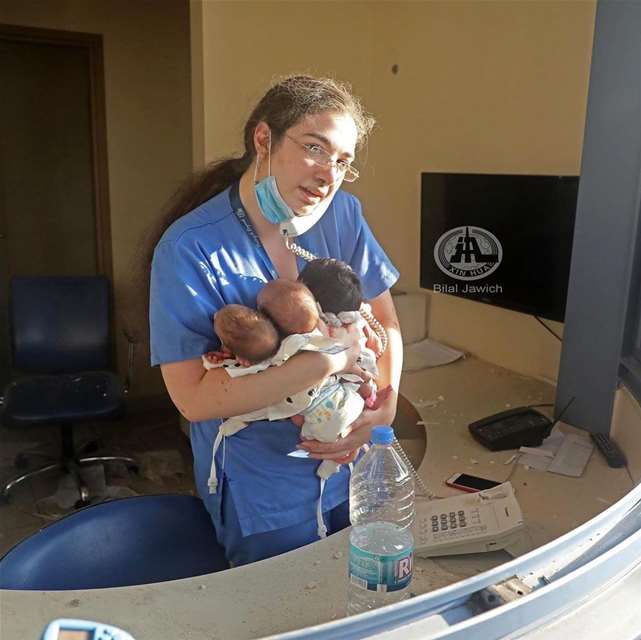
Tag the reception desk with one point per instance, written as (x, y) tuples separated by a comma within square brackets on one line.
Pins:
[(308, 586)]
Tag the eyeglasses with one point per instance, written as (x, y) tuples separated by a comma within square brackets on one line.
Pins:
[(322, 158)]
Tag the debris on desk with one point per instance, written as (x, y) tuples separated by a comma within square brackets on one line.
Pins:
[(421, 403), (310, 586), (338, 555), (317, 563), (511, 459), (508, 405), (473, 461), (202, 587)]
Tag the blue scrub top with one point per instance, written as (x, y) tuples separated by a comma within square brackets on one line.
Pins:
[(205, 260)]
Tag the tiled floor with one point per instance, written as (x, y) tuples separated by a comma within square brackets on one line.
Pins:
[(137, 435), (154, 434)]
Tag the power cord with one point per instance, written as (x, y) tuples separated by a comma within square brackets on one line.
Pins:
[(556, 335)]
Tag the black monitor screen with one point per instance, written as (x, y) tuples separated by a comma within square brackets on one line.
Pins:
[(500, 239)]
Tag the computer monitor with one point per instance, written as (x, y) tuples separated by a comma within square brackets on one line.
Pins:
[(504, 240)]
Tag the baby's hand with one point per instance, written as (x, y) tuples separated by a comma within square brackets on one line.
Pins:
[(367, 391), (338, 333), (378, 398), (216, 357), (298, 420)]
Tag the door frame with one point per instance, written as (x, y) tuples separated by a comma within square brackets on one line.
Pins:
[(100, 172)]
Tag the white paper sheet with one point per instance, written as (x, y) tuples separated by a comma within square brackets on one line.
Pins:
[(428, 353)]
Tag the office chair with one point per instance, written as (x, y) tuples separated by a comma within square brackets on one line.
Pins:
[(130, 541), (60, 346)]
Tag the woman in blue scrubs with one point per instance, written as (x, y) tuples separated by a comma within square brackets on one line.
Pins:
[(221, 242)]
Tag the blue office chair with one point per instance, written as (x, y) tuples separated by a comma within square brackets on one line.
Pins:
[(61, 349), (119, 543)]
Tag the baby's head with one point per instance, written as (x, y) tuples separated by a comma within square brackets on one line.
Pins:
[(247, 333), (334, 285), (290, 305)]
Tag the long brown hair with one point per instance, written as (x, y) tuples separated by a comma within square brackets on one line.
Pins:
[(281, 108)]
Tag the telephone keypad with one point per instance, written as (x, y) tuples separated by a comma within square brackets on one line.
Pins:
[(452, 524)]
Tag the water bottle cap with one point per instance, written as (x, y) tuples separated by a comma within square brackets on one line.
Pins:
[(382, 435)]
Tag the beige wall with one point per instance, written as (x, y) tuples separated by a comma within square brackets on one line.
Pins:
[(481, 87), (148, 101)]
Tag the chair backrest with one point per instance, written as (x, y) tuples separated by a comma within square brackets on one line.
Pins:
[(59, 324), (123, 542)]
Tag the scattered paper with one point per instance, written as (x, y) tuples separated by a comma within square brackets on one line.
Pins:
[(573, 456), (565, 454), (428, 353), (540, 458)]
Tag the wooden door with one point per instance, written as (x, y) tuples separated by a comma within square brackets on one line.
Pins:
[(53, 204)]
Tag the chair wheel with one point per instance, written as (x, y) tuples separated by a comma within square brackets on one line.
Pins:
[(84, 498)]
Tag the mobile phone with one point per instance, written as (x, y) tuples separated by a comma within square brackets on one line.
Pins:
[(471, 484), (74, 629)]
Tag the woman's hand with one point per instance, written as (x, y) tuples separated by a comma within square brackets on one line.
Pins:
[(345, 449), (373, 340)]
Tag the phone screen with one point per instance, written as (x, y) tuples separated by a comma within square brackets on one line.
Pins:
[(74, 634), (474, 482)]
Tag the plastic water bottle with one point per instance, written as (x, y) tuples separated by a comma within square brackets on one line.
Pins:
[(381, 546)]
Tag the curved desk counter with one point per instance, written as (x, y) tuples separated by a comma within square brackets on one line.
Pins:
[(308, 586)]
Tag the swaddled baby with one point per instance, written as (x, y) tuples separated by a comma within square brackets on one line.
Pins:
[(290, 310)]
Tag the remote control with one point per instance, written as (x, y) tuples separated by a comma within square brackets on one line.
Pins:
[(610, 450)]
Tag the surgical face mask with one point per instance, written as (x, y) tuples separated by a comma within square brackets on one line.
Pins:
[(270, 202), (277, 211)]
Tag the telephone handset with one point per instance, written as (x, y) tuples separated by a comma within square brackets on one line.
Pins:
[(299, 224), (489, 520)]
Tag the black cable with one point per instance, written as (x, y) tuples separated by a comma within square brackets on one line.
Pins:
[(556, 335)]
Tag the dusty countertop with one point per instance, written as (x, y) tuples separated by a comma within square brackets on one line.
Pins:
[(308, 586)]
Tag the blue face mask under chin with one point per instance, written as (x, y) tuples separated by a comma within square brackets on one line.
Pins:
[(270, 202)]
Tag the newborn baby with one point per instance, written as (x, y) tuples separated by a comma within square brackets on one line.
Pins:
[(338, 293), (327, 411), (287, 309), (246, 333)]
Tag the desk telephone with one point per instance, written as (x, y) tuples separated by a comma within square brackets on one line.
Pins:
[(489, 520)]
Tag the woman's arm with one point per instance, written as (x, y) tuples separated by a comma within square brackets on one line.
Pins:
[(204, 395), (390, 365)]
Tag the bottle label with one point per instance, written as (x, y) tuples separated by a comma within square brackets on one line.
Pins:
[(378, 572)]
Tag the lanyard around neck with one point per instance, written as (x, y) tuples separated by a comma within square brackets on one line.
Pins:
[(242, 217)]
